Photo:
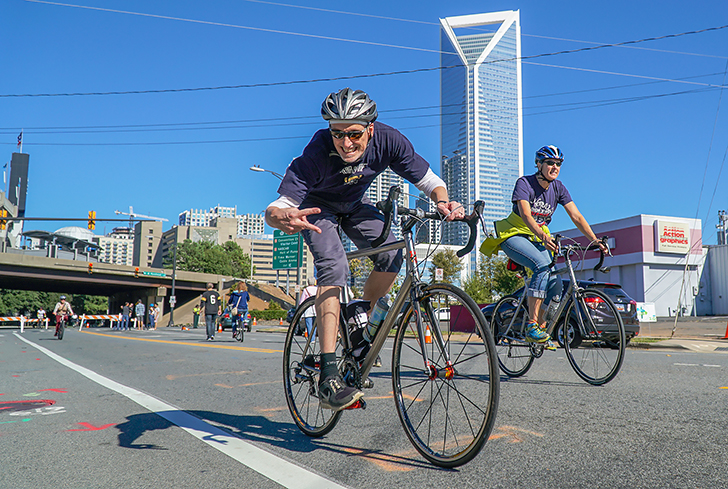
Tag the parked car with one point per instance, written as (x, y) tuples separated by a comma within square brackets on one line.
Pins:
[(226, 321), (624, 304)]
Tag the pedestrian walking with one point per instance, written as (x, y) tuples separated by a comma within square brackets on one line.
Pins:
[(309, 314), (211, 300)]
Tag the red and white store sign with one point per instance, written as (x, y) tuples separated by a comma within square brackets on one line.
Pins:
[(672, 237)]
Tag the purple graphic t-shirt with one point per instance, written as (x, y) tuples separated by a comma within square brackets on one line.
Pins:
[(321, 173), (543, 201)]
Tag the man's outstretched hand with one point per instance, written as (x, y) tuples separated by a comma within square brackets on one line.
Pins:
[(292, 220)]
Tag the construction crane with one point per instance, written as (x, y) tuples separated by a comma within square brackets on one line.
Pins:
[(132, 215)]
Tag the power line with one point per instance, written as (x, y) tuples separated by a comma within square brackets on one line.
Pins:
[(318, 80)]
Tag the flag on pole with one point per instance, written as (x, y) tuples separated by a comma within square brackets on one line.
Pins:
[(20, 139)]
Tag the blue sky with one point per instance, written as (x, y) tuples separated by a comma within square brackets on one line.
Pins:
[(634, 143)]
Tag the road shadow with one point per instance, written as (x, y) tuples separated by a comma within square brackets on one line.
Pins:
[(252, 428)]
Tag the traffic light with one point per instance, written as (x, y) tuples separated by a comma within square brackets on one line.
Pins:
[(90, 268), (136, 272), (92, 219), (3, 222)]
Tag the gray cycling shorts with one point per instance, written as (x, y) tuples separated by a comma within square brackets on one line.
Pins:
[(361, 222)]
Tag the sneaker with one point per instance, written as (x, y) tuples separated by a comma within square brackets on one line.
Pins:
[(549, 345), (378, 361), (534, 334), (336, 395)]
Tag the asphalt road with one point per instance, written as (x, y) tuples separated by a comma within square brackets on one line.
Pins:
[(165, 408)]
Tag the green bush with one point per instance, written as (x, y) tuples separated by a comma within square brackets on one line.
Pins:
[(268, 314)]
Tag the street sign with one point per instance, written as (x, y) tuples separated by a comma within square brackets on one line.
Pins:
[(155, 274), (172, 300), (285, 250), (438, 274)]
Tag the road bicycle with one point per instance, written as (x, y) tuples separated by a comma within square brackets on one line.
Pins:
[(445, 376), (243, 326), (61, 326), (586, 322)]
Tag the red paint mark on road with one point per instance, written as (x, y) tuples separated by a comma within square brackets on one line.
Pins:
[(53, 390), (90, 427), (26, 405), (37, 358), (16, 375)]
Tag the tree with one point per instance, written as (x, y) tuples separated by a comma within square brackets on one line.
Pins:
[(207, 257), (450, 264), (27, 302), (492, 280), (359, 270)]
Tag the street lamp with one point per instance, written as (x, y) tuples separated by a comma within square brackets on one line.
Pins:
[(173, 298), (259, 169), (300, 258)]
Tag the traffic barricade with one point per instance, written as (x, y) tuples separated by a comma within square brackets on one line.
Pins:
[(111, 317)]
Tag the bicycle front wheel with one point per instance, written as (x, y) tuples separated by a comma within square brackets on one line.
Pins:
[(61, 327), (447, 409), (599, 356), (508, 324), (301, 369)]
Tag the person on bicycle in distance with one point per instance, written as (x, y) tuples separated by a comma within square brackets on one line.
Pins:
[(328, 182), (62, 310), (524, 235)]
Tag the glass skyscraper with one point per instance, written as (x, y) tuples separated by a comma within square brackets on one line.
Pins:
[(481, 114)]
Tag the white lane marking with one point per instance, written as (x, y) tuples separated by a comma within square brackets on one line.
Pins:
[(687, 364), (278, 470)]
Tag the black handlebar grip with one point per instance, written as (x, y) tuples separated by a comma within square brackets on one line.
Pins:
[(472, 221), (386, 206), (601, 254), (557, 238)]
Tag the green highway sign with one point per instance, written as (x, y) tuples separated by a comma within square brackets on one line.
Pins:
[(285, 250), (155, 274)]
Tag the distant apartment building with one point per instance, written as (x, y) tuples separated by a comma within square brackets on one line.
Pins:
[(117, 247), (247, 224)]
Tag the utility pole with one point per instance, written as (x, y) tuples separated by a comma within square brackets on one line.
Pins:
[(173, 298), (722, 228)]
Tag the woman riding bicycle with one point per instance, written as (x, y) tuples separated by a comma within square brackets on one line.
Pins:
[(525, 238)]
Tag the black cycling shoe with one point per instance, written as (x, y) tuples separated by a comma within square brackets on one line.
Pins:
[(336, 395)]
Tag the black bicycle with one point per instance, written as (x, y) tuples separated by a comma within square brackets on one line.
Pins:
[(61, 326), (445, 376), (586, 323)]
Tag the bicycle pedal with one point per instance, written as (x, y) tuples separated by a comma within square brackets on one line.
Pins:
[(359, 404)]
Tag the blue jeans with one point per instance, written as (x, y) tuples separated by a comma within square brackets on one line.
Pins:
[(239, 319), (309, 329), (537, 258), (124, 322)]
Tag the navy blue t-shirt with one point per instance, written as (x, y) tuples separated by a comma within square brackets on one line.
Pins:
[(543, 201), (321, 173)]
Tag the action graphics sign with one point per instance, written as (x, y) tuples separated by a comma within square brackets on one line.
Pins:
[(672, 237)]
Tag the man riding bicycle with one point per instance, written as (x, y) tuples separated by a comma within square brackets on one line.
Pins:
[(62, 311), (326, 185)]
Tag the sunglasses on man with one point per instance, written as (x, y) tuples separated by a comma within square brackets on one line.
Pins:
[(352, 135)]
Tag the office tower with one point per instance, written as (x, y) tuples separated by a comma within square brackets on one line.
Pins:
[(481, 114), (247, 224)]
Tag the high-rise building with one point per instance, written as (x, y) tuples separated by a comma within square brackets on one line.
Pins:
[(481, 118), (248, 224), (117, 247)]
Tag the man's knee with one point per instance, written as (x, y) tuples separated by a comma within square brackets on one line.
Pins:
[(390, 261)]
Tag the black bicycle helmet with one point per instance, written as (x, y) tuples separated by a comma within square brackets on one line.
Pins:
[(550, 152), (347, 105)]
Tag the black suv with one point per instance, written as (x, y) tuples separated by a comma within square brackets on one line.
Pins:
[(626, 306)]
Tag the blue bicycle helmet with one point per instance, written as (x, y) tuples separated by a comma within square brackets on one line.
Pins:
[(550, 152)]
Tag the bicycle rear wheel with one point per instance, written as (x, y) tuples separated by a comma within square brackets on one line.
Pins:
[(599, 356), (300, 378), (447, 411), (61, 327), (508, 324)]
